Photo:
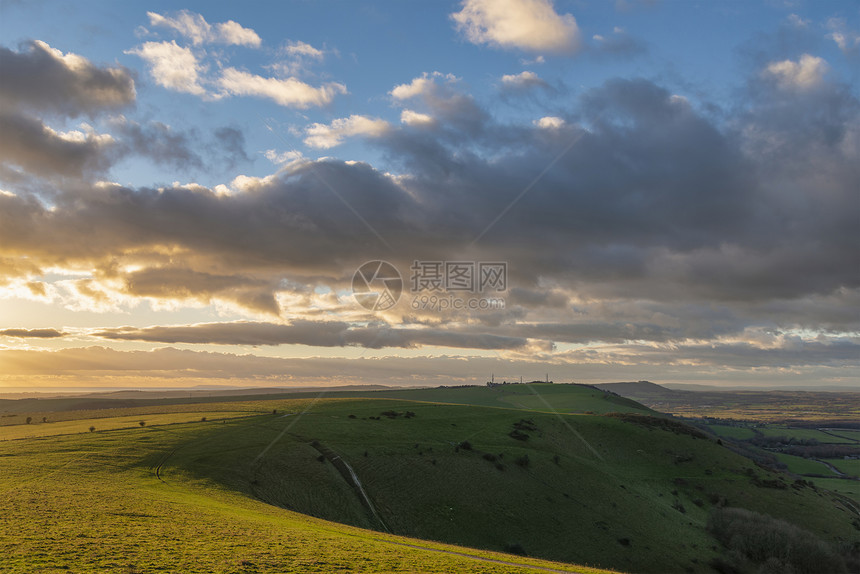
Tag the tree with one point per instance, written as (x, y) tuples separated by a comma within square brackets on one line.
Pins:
[(29, 419), (92, 429)]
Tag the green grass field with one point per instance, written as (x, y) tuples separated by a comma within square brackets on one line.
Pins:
[(90, 503), (799, 465), (850, 467), (273, 492)]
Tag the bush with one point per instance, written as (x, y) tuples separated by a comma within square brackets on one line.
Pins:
[(92, 429), (489, 456), (142, 423), (29, 420), (465, 445), (523, 461), (518, 435), (774, 545), (203, 420)]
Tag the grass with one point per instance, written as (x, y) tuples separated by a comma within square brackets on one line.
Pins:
[(850, 488), (849, 467), (83, 425), (799, 465), (86, 503), (225, 496)]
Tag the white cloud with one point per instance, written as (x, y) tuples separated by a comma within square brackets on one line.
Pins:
[(174, 67), (847, 40), (531, 25), (287, 157), (806, 73), (419, 86), (199, 31), (304, 50), (549, 122), (327, 136), (289, 92), (524, 79), (413, 118)]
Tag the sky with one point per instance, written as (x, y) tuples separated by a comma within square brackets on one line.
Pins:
[(317, 193)]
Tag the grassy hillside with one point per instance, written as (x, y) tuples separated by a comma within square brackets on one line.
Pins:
[(91, 502), (584, 489), (621, 490)]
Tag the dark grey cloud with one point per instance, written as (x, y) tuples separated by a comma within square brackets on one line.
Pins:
[(229, 145), (638, 196), (313, 333), (41, 78), (159, 143), (34, 147), (33, 333)]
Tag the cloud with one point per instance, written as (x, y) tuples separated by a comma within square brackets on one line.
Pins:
[(303, 49), (531, 25), (44, 79), (38, 149), (313, 333), (158, 142), (550, 122), (172, 66), (439, 96), (523, 80), (289, 92), (619, 43), (413, 118), (195, 27), (328, 136), (33, 333), (658, 222), (846, 39), (804, 74)]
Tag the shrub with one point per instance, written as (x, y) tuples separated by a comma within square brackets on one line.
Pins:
[(518, 435), (142, 423), (773, 544), (489, 456), (465, 445), (274, 411), (352, 416), (44, 419), (203, 420), (92, 429), (523, 460), (29, 419)]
